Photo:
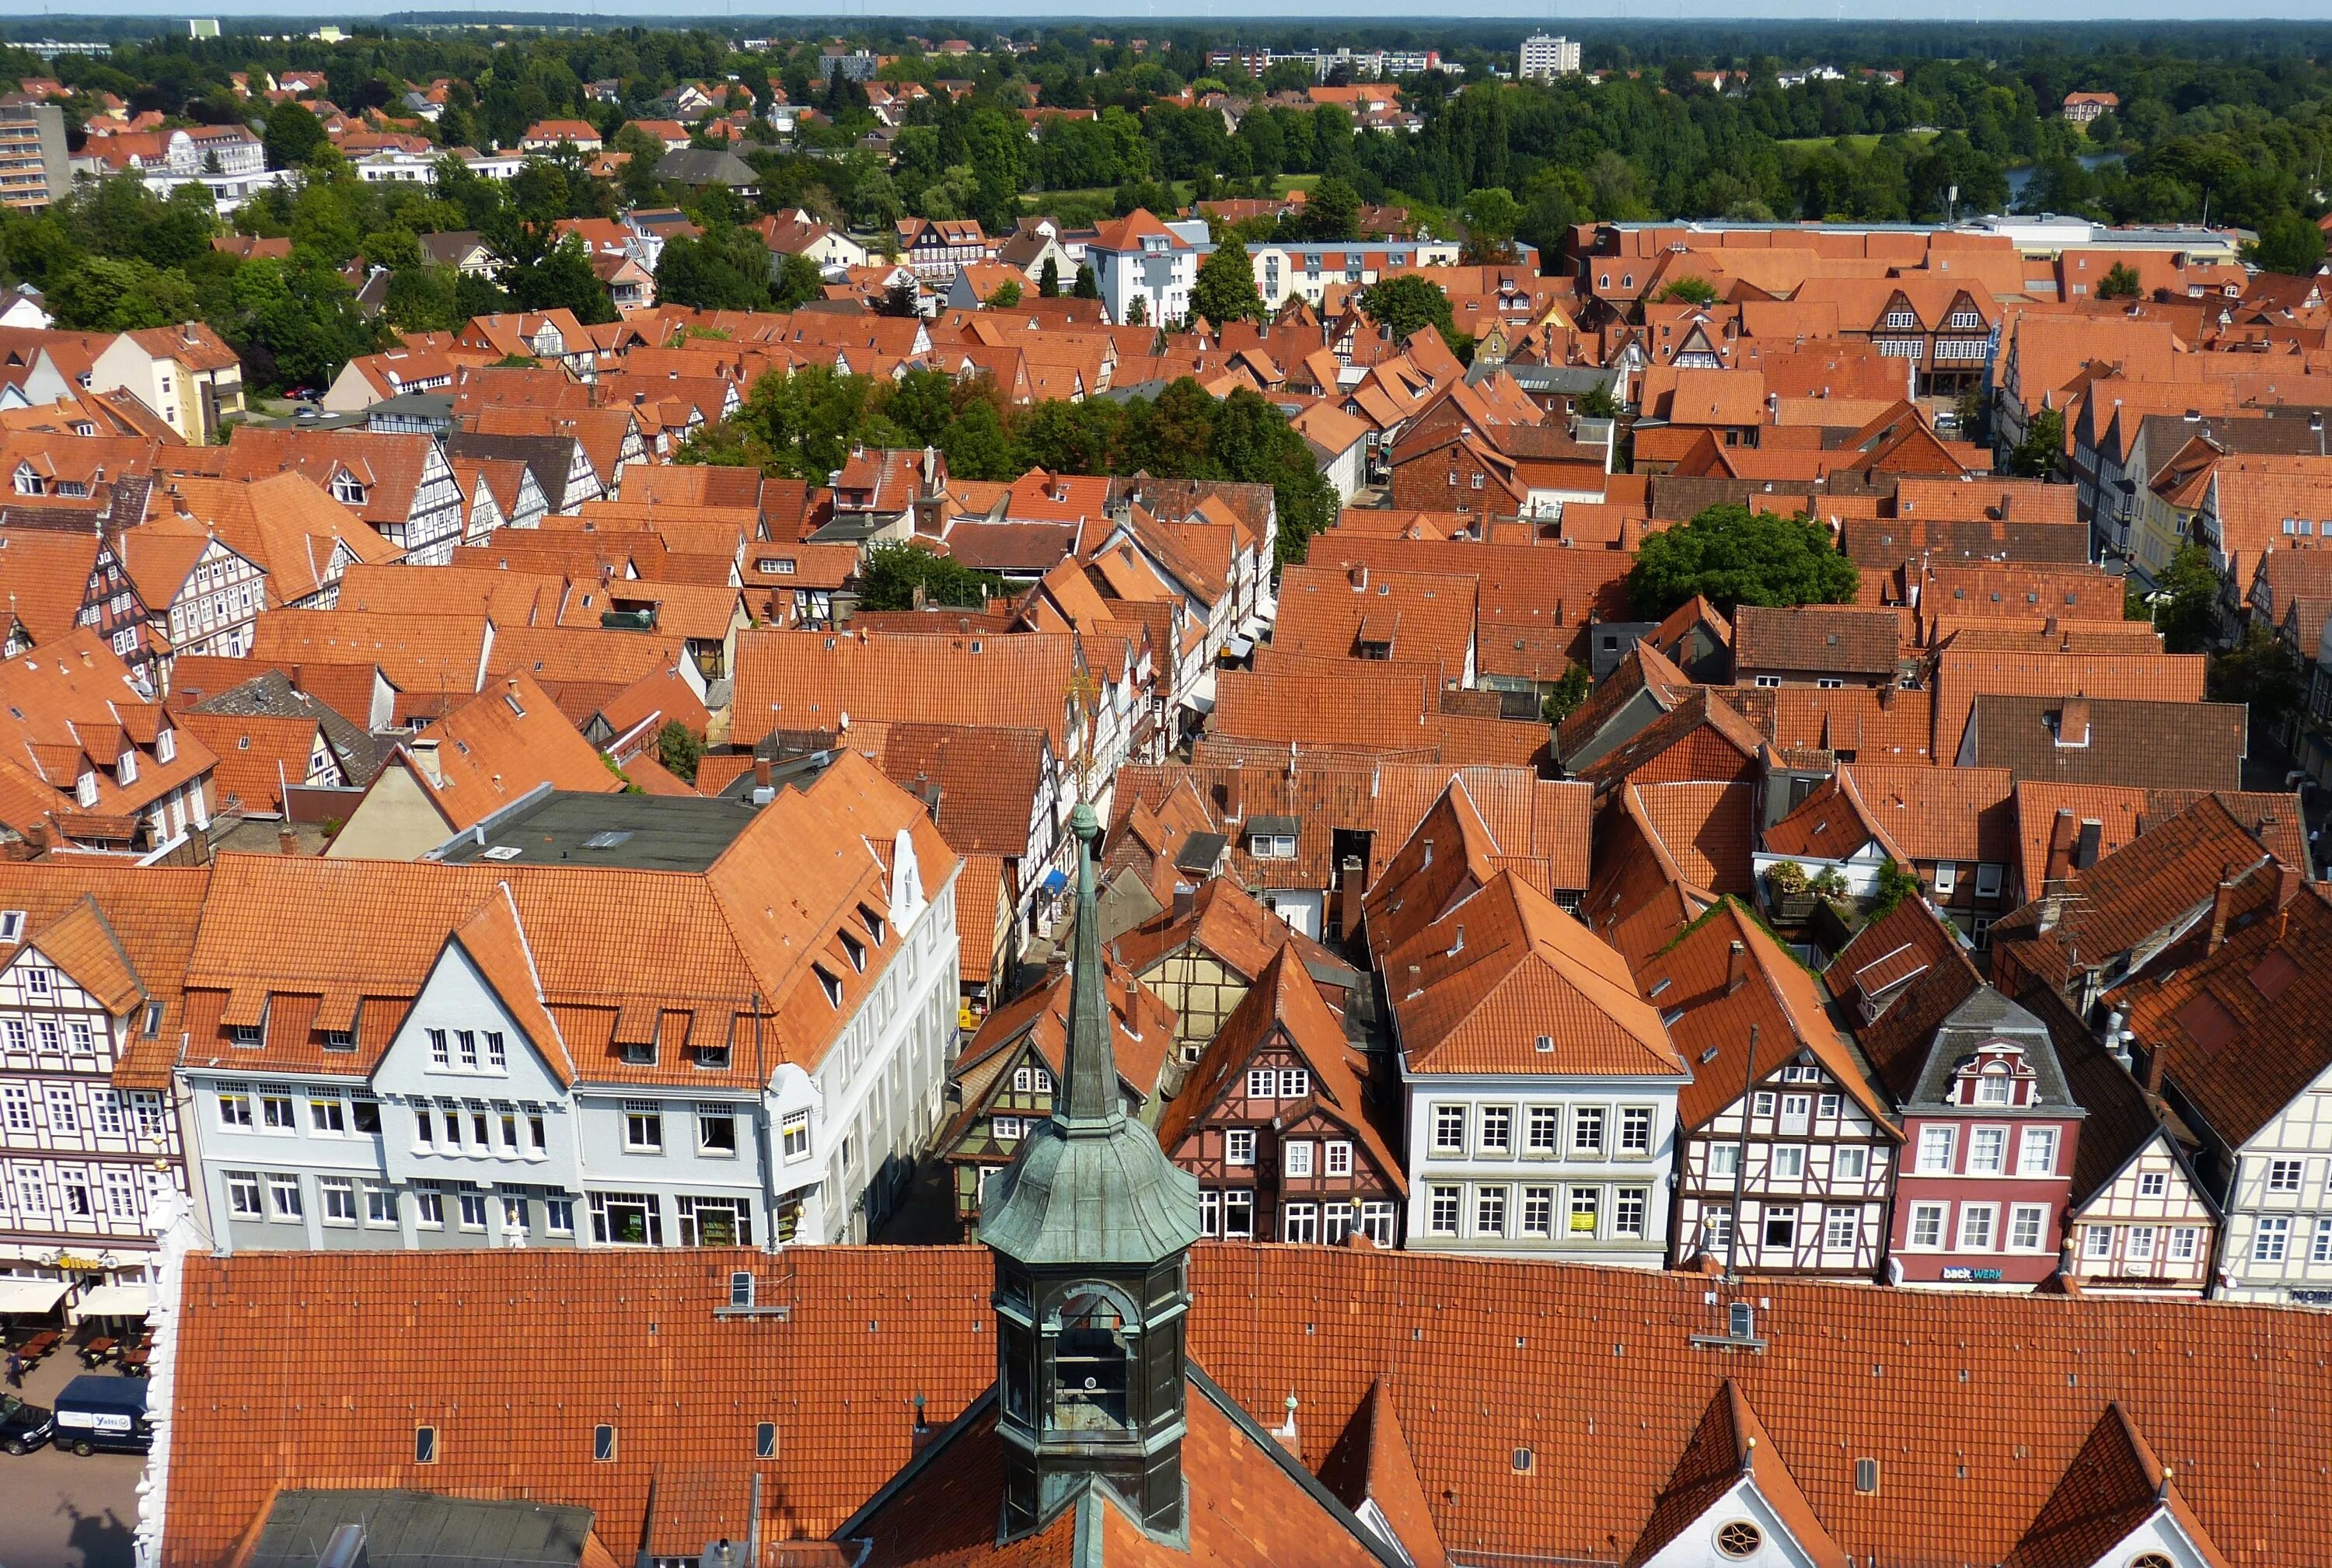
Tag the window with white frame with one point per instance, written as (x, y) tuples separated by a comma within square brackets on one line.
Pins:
[(1789, 1162), (793, 1136), (1586, 1211), (275, 1113), (1946, 879), (1441, 1210), (1211, 1211), (380, 1205), (1449, 1129), (1295, 1083), (2028, 1223), (1261, 1083), (2036, 1152), (1629, 1205), (2284, 1175), (283, 1197), (1723, 1159), (2186, 1243), (1934, 1150), (1538, 1212), (243, 1199), (2272, 1240), (1238, 1213), (339, 1194), (1300, 1222), (1987, 1150), (1841, 1227), (1716, 1228), (2140, 1248), (1635, 1130), (1238, 1146), (1926, 1226), (1976, 1224), (2097, 1242), (1497, 1124), (1004, 1129), (2153, 1184), (643, 1128), (1542, 1132), (1849, 1162), (1587, 1130), (1489, 1211), (1337, 1157), (1296, 1159)]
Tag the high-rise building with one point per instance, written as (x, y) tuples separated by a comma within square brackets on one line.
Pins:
[(1546, 57), (34, 170)]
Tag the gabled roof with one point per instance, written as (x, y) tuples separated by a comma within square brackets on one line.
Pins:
[(1729, 1447), (1475, 992), (1815, 638), (1903, 973), (1371, 1470), (508, 740), (496, 943), (2113, 1486), (1776, 999)]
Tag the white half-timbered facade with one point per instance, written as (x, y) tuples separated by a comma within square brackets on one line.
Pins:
[(2150, 1230), (87, 1135)]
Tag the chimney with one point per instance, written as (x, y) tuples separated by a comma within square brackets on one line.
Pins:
[(2222, 901), (286, 841), (1359, 576), (2073, 722), (423, 749), (2154, 1064), (1234, 807), (1736, 967), (1185, 895), (2288, 882), (2062, 832)]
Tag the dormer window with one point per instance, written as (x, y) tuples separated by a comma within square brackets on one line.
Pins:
[(85, 790), (873, 923), (1992, 1088), (829, 983), (12, 925), (166, 746), (348, 489), (1900, 320), (28, 480), (855, 949), (125, 770)]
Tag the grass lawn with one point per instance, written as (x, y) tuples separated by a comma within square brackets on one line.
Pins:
[(1861, 144)]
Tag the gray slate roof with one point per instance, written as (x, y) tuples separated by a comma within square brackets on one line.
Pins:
[(1988, 1014), (272, 696)]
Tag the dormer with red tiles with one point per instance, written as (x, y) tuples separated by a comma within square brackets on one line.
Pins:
[(1733, 1499)]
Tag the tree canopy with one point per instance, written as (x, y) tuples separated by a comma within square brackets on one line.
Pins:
[(1733, 556)]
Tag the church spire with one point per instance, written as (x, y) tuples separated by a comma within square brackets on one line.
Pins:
[(1089, 1101)]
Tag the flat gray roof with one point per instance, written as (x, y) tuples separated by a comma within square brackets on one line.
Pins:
[(422, 1530), (634, 832)]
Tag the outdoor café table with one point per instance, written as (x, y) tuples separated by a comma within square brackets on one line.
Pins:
[(133, 1362), (96, 1351)]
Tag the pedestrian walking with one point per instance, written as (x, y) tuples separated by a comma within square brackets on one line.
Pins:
[(15, 1371)]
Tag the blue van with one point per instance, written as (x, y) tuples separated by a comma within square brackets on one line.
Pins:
[(105, 1414)]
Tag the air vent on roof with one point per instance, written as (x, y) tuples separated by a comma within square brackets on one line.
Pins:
[(502, 852), (607, 839), (1546, 1042)]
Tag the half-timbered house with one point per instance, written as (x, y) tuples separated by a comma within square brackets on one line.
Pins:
[(1274, 1125), (1786, 1153)]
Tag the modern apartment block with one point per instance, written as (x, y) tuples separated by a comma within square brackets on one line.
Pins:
[(34, 169), (1546, 57)]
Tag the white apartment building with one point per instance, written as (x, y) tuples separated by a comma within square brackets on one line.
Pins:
[(565, 1055), (1138, 258), (89, 1010), (1546, 57)]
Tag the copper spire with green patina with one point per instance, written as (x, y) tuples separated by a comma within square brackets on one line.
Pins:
[(1090, 1184)]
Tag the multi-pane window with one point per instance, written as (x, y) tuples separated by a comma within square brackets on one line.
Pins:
[(1781, 1228), (1628, 1205), (1789, 1161), (1260, 1082), (642, 1132), (1723, 1159), (1441, 1210), (242, 1194), (2272, 1240), (1543, 1130), (2185, 1241), (1490, 1211), (105, 1107), (1636, 1130), (1538, 1211), (473, 1211), (1295, 1083), (1339, 1159), (2035, 1155), (1587, 1130), (64, 1116), (1238, 1213), (340, 1196), (2283, 1175), (1296, 1159), (16, 1107), (1841, 1227), (2097, 1242), (1928, 1225), (2142, 1237), (381, 1205), (1716, 1228), (1449, 1129), (283, 1197), (1987, 1150), (2154, 1184), (1238, 1146), (1497, 1129), (1850, 1161), (1586, 1210), (328, 1116), (1300, 1222), (2029, 1222), (440, 1055), (1005, 1129), (1934, 1150), (793, 1136), (1211, 1211), (1975, 1227), (275, 1112)]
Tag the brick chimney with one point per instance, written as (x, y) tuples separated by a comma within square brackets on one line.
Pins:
[(286, 841), (1234, 795), (2222, 901), (1736, 968), (2062, 831), (2154, 1064)]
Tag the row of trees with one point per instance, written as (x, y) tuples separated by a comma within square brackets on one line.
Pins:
[(806, 425)]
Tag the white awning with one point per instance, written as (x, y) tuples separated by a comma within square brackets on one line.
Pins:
[(1200, 697), (113, 1301), (30, 1294)]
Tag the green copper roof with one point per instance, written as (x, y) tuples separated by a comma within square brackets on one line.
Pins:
[(1090, 1185)]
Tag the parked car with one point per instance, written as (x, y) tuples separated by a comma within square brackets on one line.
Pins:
[(98, 1413), (24, 1427)]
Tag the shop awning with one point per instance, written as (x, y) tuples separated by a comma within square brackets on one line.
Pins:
[(30, 1294), (1055, 880), (1239, 647), (1200, 697), (112, 1301)]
